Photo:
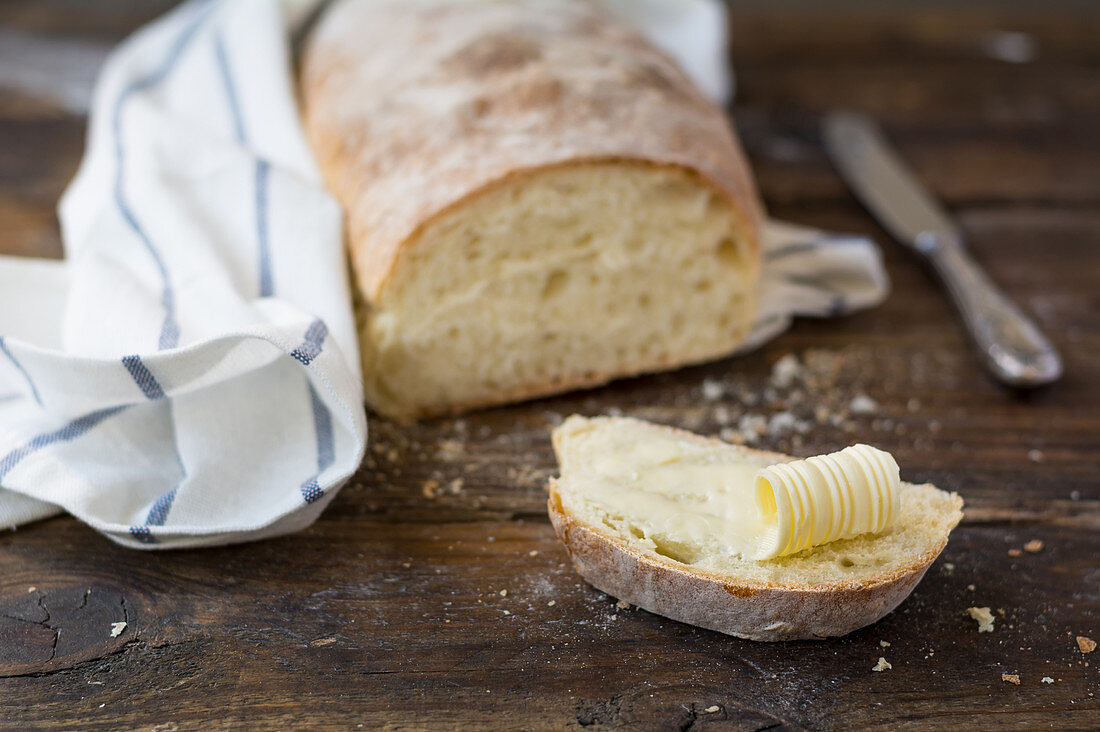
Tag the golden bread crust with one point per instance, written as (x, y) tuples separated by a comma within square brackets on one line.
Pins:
[(414, 108)]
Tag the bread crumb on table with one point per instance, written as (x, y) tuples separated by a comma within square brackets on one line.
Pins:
[(1086, 644), (712, 709), (783, 422), (1011, 679), (862, 404), (713, 390), (1014, 553), (450, 450), (884, 644), (785, 371), (504, 593), (882, 664), (1034, 546), (429, 488), (622, 605), (984, 618), (1047, 680), (117, 628), (750, 428), (1035, 456)]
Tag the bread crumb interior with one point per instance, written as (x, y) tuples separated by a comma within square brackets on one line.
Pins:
[(563, 276)]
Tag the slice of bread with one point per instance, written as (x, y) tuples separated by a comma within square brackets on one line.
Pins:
[(823, 591)]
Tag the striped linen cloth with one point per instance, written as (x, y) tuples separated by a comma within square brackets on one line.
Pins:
[(188, 376)]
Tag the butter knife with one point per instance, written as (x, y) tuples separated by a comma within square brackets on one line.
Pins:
[(1012, 346)]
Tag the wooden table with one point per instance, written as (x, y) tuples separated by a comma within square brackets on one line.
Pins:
[(433, 592)]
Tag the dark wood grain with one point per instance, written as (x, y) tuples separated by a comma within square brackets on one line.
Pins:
[(389, 611)]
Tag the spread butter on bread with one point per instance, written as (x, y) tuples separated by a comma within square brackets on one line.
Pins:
[(749, 543), (537, 200)]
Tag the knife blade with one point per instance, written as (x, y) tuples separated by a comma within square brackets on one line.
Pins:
[(883, 183), (1012, 346)]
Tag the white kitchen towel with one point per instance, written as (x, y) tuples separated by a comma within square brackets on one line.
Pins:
[(188, 376)]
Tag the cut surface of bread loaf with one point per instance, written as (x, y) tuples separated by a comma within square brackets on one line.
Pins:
[(537, 200), (686, 570)]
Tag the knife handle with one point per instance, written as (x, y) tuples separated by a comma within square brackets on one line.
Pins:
[(1013, 347)]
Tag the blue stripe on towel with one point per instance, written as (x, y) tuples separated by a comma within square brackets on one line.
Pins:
[(230, 90), (267, 286), (311, 491), (769, 320), (838, 304), (142, 534), (169, 331), (69, 432), (326, 445), (322, 418), (311, 346), (821, 240), (262, 169), (322, 421), (143, 377), (159, 512), (790, 249), (19, 367), (153, 391)]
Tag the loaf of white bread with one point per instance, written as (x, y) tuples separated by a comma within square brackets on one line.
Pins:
[(537, 200), (643, 519)]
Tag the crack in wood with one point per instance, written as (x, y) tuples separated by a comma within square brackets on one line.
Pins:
[(692, 718), (76, 667), (41, 600)]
